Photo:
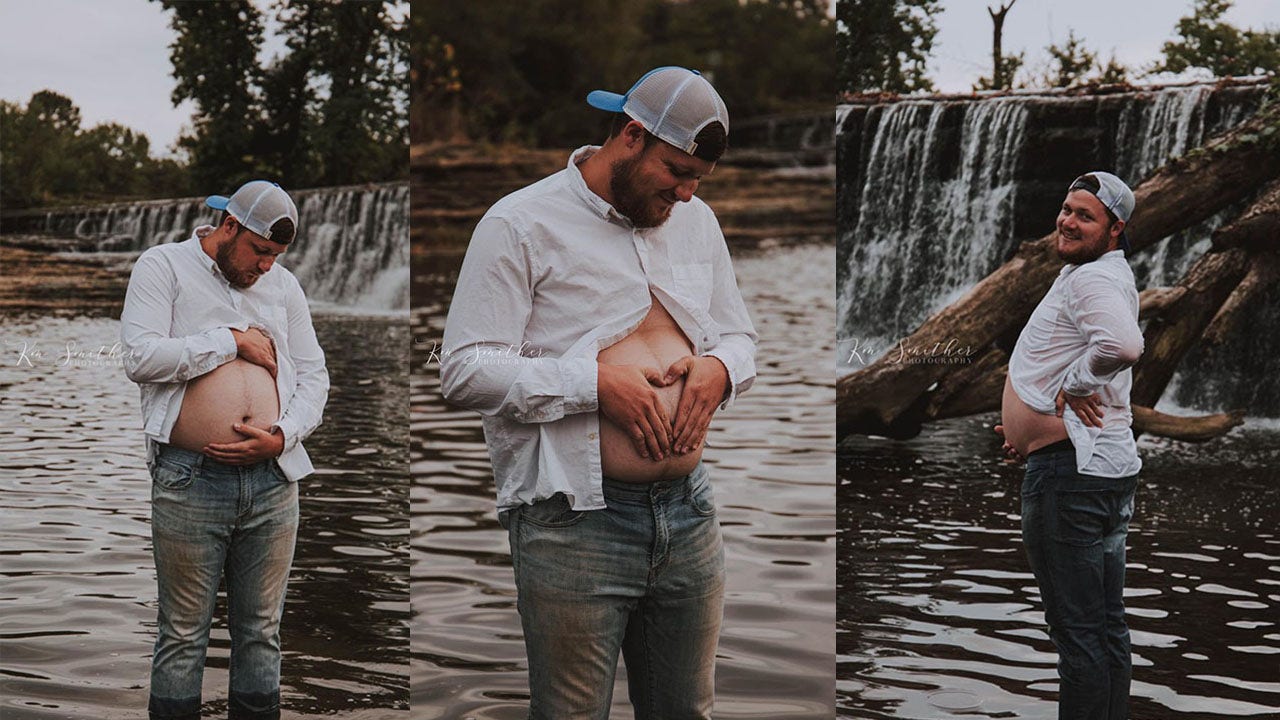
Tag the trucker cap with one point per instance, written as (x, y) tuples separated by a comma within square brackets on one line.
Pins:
[(672, 102), (257, 205)]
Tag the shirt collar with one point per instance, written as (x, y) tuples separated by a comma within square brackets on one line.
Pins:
[(199, 234), (597, 204)]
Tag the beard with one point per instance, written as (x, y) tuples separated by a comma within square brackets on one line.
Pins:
[(222, 257), (1083, 250), (630, 202)]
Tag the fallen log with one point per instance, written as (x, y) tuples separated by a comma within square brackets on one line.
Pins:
[(1188, 429), (892, 397), (1257, 227), (1264, 269), (1154, 301)]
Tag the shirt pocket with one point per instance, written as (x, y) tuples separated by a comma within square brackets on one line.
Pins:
[(694, 283)]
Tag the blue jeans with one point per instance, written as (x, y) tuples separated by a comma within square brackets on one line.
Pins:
[(1074, 528), (208, 517), (645, 576)]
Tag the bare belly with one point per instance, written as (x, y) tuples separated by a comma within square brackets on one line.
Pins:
[(657, 343), (236, 392), (1024, 428)]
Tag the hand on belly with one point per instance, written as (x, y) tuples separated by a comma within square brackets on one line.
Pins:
[(238, 392)]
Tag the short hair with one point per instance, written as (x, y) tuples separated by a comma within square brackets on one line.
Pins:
[(711, 141), (281, 232)]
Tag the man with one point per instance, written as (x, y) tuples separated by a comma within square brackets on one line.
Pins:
[(596, 325), (1077, 496), (219, 339)]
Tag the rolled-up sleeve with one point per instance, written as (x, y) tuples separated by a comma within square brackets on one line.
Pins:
[(484, 364), (738, 339), (1110, 326), (150, 354), (305, 409)]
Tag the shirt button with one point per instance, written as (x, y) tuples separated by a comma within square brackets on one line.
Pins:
[(591, 436)]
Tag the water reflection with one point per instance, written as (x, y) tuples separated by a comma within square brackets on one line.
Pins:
[(940, 615), (772, 459), (78, 576)]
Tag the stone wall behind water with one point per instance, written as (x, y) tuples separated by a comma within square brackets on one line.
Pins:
[(935, 193), (352, 247)]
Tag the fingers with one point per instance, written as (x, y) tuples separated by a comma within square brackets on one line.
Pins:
[(678, 368), (654, 376), (695, 427), (661, 426), (1060, 402), (1000, 431), (639, 440)]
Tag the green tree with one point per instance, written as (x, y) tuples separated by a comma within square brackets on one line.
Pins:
[(884, 45), (1113, 72), (1205, 41), (215, 64), (1070, 62), (46, 158), (520, 72)]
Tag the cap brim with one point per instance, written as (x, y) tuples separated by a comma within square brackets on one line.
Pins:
[(217, 202), (604, 100)]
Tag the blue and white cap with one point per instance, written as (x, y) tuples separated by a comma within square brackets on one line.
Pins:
[(673, 103), (257, 205)]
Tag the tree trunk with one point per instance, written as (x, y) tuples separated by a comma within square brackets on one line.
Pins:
[(894, 395), (997, 57)]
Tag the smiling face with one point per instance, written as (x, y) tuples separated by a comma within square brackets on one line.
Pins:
[(647, 185), (1085, 233), (246, 256)]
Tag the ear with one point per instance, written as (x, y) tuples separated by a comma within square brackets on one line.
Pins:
[(1116, 228), (633, 135), (230, 224)]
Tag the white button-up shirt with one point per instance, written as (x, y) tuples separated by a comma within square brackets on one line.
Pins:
[(552, 276), (176, 326), (1083, 338)]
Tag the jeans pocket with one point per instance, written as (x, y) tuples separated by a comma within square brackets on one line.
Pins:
[(702, 500), (1079, 517), (172, 477), (554, 512)]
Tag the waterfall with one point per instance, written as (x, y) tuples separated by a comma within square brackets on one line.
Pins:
[(352, 247), (933, 217), (934, 194)]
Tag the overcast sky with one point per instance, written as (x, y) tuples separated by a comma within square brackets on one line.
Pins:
[(111, 57), (1134, 29)]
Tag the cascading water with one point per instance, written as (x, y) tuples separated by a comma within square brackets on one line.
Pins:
[(920, 237), (934, 194), (352, 248)]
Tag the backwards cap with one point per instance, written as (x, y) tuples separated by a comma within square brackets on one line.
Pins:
[(1114, 194), (257, 205), (673, 103)]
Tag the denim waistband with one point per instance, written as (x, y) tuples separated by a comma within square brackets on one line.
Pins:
[(623, 491), (191, 458), (1060, 446)]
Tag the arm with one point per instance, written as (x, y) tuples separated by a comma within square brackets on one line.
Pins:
[(1111, 327), (151, 355), (306, 408), (482, 366), (738, 339)]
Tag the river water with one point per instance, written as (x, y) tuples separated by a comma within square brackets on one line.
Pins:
[(940, 617), (772, 459), (78, 580)]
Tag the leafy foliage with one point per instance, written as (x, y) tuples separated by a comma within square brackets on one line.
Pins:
[(883, 45), (331, 111), (46, 157), (520, 72), (1205, 41)]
